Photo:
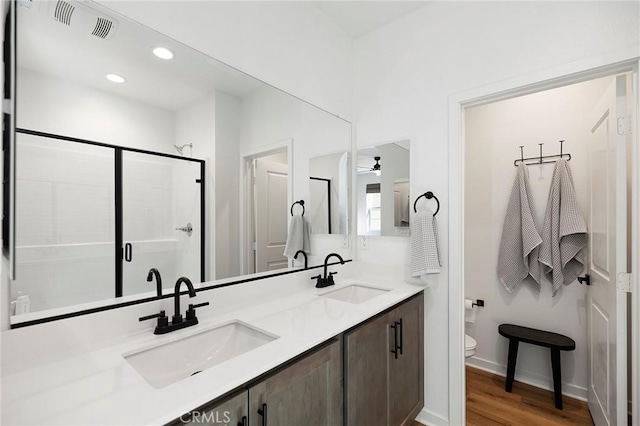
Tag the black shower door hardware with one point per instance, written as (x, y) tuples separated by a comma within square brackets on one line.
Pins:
[(539, 159), (124, 252), (128, 252)]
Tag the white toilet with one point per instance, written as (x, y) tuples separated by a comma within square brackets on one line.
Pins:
[(469, 346)]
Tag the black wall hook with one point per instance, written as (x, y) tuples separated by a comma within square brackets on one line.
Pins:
[(301, 202), (428, 195)]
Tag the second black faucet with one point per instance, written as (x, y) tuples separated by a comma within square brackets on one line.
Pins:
[(327, 280)]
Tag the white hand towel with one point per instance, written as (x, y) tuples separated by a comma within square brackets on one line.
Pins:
[(298, 237), (425, 250), (520, 242), (564, 233)]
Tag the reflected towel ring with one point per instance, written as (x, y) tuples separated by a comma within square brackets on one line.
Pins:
[(301, 202), (428, 195)]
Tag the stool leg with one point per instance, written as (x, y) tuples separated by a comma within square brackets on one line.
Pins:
[(557, 377), (511, 365)]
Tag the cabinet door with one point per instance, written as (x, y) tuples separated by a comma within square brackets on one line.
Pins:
[(406, 378), (232, 412), (308, 392), (367, 355)]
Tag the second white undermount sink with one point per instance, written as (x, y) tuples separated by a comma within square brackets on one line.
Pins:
[(162, 365), (355, 293)]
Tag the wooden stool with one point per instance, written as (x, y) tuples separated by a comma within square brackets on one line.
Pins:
[(555, 342)]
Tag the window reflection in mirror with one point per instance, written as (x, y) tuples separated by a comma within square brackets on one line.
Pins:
[(183, 124), (382, 188)]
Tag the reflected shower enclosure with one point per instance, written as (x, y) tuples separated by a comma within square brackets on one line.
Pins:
[(92, 219)]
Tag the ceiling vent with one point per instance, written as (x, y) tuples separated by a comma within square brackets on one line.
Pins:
[(82, 18)]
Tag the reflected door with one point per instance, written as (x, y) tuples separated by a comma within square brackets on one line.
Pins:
[(270, 215), (161, 221), (607, 305)]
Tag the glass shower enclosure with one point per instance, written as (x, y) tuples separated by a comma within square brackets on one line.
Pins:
[(93, 218)]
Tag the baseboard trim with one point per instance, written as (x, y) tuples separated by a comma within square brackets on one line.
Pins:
[(537, 380), (430, 418)]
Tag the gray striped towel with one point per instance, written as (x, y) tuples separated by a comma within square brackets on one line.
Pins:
[(520, 241), (425, 249), (564, 233), (298, 237)]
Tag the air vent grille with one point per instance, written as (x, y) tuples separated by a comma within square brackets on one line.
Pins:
[(64, 11), (103, 27)]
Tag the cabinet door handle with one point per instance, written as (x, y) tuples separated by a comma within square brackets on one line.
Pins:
[(401, 336), (244, 421), (263, 413), (394, 351)]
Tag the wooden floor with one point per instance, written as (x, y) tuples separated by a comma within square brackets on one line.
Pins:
[(488, 404)]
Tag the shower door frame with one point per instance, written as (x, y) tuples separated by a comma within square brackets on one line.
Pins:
[(118, 200)]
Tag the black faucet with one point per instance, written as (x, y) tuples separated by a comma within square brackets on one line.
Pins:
[(177, 316), (306, 261), (154, 272), (177, 322), (326, 281)]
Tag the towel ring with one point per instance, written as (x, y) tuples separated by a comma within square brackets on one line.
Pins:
[(301, 202), (428, 195)]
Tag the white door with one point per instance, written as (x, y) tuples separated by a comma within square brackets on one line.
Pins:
[(607, 306), (270, 215)]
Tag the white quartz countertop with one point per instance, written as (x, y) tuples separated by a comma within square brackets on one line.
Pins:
[(94, 384)]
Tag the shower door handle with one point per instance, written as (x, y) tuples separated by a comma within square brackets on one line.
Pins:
[(128, 252)]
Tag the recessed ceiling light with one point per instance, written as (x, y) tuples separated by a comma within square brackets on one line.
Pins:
[(115, 78), (163, 53)]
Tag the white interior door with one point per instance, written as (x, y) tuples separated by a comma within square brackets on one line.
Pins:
[(270, 215), (607, 305)]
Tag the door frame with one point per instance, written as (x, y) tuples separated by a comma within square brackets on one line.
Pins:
[(575, 72), (246, 192)]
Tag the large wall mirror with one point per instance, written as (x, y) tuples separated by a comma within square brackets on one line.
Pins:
[(382, 191), (134, 151)]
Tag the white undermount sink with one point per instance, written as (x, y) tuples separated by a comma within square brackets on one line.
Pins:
[(162, 365), (355, 293)]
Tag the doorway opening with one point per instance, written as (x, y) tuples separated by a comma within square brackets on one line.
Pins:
[(499, 134), (267, 199)]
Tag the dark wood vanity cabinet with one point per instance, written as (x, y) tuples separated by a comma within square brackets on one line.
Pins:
[(231, 411), (384, 367), (308, 392), (372, 375)]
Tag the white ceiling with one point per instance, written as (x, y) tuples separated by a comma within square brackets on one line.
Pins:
[(71, 53), (358, 18)]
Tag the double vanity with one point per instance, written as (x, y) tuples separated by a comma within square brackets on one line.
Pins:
[(276, 351)]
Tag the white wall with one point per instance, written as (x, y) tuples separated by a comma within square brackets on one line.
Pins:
[(326, 167), (493, 134), (196, 124), (268, 117), (227, 176), (405, 73), (291, 45), (48, 104)]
